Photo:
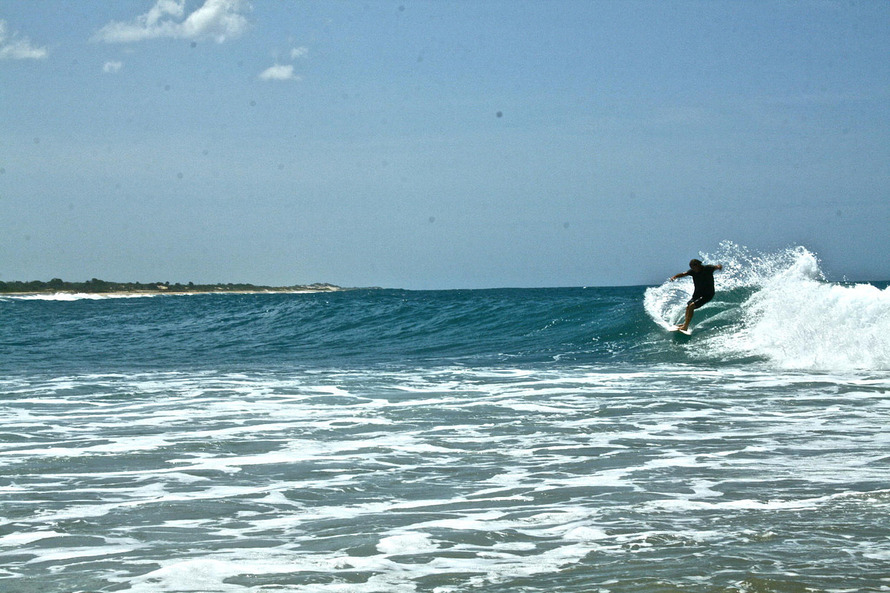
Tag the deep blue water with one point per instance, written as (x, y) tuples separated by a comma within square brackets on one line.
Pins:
[(328, 329)]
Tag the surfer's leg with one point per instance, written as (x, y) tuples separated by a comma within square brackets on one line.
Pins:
[(689, 310), (697, 301)]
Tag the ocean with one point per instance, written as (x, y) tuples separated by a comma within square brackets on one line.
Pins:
[(508, 440)]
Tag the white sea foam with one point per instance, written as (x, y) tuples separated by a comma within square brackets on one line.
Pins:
[(407, 543), (74, 296), (804, 323), (79, 553), (279, 481), (14, 540)]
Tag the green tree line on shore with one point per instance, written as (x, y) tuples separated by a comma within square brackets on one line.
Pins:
[(103, 286)]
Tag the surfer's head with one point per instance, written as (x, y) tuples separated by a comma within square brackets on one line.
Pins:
[(695, 264)]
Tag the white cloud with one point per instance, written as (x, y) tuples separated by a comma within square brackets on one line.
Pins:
[(112, 67), (18, 48), (298, 52), (279, 72), (215, 19)]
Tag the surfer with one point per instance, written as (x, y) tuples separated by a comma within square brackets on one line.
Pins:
[(703, 281)]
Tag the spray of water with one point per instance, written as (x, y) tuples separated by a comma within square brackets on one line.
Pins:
[(778, 307)]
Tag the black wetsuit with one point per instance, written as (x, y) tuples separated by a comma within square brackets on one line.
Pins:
[(703, 280)]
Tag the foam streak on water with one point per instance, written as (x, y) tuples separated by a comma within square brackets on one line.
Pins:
[(449, 479)]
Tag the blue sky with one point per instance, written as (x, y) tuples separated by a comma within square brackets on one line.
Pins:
[(448, 144)]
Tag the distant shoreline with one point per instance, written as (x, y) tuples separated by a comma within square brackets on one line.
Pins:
[(102, 287)]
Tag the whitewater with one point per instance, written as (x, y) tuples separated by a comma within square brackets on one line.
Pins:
[(510, 440)]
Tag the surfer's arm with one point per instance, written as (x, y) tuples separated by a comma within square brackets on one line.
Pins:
[(680, 275)]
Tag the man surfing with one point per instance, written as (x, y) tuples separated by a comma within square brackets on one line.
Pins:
[(703, 282)]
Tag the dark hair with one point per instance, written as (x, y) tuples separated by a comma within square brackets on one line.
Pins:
[(695, 262)]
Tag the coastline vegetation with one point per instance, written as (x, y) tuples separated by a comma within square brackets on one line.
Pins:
[(95, 286)]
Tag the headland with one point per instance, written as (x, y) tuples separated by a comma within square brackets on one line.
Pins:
[(96, 286)]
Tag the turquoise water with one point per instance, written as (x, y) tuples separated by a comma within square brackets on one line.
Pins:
[(500, 440)]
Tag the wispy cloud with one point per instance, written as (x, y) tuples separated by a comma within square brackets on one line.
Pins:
[(215, 19), (279, 72), (285, 71), (112, 67), (15, 47)]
